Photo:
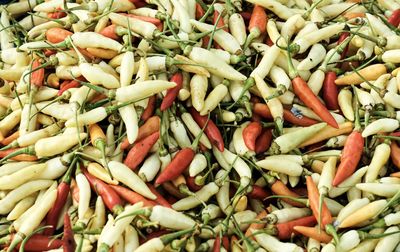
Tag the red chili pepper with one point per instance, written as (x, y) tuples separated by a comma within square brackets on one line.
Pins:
[(150, 126), (48, 52), (152, 20), (330, 91), (54, 213), (279, 188), (303, 91), (38, 242), (342, 37), (217, 244), (140, 150), (246, 15), (57, 14), (110, 32), (263, 142), (258, 20), (67, 85), (314, 201), (269, 42), (149, 111), (199, 11), (250, 134), (395, 154), (190, 181), (211, 130), (285, 230), (289, 116), (172, 93), (160, 199), (57, 35), (258, 192), (153, 235), (106, 192), (132, 197), (204, 42), (68, 237), (37, 76), (220, 21), (20, 157), (394, 19), (351, 155), (178, 164)]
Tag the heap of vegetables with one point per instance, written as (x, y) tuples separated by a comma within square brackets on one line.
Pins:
[(194, 125)]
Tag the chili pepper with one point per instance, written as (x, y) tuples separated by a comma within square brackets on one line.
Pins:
[(149, 110), (109, 196), (68, 237), (110, 32), (57, 35), (281, 189), (313, 233), (37, 75), (140, 150), (132, 197), (160, 199), (263, 141), (210, 129), (394, 19), (68, 85), (258, 192), (286, 229), (291, 116), (38, 242), (330, 91), (173, 92), (62, 194), (250, 134), (192, 184), (324, 215)]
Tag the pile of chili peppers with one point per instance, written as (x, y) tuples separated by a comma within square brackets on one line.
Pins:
[(200, 125)]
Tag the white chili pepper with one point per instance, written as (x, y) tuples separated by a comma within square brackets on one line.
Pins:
[(9, 168), (195, 129), (51, 146), (266, 62), (131, 238), (11, 181), (145, 29), (315, 56), (37, 214), (223, 38), (380, 125), (272, 244), (284, 166), (214, 64), (170, 218), (99, 214), (237, 28), (289, 141), (203, 195), (84, 195), (9, 122), (276, 7), (214, 98), (364, 213), (292, 25), (115, 227), (348, 183), (384, 190), (142, 90), (287, 214), (150, 168), (238, 142), (126, 176), (314, 37), (380, 158), (21, 207), (345, 103)]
